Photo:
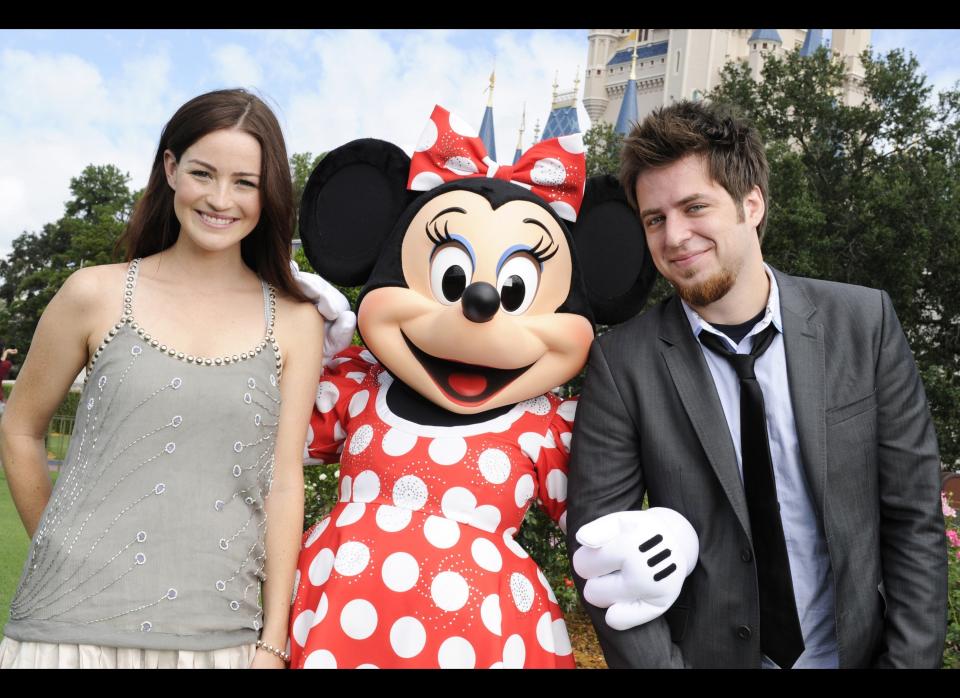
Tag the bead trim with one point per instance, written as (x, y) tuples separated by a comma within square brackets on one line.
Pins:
[(127, 319)]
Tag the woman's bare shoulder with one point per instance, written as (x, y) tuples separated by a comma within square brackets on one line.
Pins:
[(90, 287)]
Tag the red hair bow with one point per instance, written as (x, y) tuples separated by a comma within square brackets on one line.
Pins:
[(449, 149)]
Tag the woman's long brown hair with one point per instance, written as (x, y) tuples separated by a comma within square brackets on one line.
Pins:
[(154, 227)]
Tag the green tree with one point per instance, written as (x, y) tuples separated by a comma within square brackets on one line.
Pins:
[(603, 149), (301, 166), (93, 219), (867, 194)]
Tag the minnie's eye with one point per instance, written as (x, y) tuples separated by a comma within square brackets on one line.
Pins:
[(517, 284), (450, 271)]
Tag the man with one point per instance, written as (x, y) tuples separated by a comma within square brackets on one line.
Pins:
[(809, 471)]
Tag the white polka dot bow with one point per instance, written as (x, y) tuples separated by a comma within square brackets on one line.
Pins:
[(449, 149)]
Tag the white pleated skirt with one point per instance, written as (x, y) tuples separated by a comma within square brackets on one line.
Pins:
[(52, 655)]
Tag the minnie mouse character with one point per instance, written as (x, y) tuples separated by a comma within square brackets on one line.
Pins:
[(477, 301)]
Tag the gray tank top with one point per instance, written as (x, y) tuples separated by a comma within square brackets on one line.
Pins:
[(154, 533)]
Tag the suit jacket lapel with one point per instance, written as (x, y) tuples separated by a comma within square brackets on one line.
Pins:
[(804, 348), (694, 383)]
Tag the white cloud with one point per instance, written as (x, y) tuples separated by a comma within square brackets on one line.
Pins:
[(237, 67)]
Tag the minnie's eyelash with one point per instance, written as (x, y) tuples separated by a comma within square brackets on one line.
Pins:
[(544, 253), (436, 237)]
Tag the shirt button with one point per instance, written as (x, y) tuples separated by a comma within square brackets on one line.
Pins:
[(746, 555), (744, 632)]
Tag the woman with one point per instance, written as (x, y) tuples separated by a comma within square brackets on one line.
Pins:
[(151, 547)]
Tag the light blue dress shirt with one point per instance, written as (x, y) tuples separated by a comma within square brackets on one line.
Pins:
[(806, 544)]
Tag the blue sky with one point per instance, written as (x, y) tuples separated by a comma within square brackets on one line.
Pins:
[(69, 98)]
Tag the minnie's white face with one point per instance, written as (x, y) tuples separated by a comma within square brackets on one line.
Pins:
[(477, 327)]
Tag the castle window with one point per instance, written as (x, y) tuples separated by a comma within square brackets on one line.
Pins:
[(764, 44)]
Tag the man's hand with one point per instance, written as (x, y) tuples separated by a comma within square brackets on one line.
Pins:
[(339, 321), (635, 563)]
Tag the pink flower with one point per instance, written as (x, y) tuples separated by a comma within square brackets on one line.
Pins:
[(947, 509), (954, 538)]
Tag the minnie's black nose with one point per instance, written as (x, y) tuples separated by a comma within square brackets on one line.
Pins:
[(480, 302)]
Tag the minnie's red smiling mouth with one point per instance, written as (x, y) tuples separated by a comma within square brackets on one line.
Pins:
[(467, 385)]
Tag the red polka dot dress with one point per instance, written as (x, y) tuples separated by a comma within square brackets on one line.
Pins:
[(416, 566)]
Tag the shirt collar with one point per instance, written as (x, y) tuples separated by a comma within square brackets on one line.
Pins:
[(772, 314)]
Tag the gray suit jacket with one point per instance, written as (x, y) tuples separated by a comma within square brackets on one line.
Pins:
[(650, 421)]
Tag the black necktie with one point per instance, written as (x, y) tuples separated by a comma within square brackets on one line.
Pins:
[(780, 636)]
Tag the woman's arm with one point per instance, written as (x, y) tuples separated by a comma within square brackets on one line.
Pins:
[(299, 332), (57, 354)]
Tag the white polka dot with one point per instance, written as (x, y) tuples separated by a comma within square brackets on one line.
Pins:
[(398, 443), (346, 488), (514, 652), (408, 637), (410, 492), (327, 396), (367, 666), (549, 172), (524, 490), (462, 127), (545, 583), (337, 361), (494, 466), (358, 402), (358, 619), (296, 587), (367, 356), (316, 532), (449, 591), (565, 438), (320, 659), (561, 640), (572, 143), (352, 558), (301, 626), (339, 434), (456, 653), (460, 165), (486, 555), (460, 504), (557, 485), (531, 443), (366, 486), (522, 592), (356, 376), (427, 137), (361, 439), (393, 519), (322, 607), (512, 545), (447, 451), (400, 572), (351, 513), (545, 633), (491, 615), (564, 210), (562, 522), (309, 433), (320, 568), (425, 181), (440, 532), (568, 410), (539, 405)]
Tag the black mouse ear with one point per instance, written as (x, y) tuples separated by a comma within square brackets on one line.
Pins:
[(615, 264), (350, 204)]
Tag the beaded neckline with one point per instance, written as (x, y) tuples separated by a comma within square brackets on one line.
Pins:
[(270, 301)]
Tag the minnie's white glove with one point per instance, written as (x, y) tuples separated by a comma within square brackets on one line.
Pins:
[(635, 563), (339, 321)]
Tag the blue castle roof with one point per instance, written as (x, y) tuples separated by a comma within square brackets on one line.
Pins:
[(812, 42), (765, 35), (562, 122), (486, 133), (628, 110), (647, 51)]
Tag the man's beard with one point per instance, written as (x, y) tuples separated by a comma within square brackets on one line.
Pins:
[(706, 292)]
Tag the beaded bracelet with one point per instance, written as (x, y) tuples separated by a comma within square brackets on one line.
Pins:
[(273, 650)]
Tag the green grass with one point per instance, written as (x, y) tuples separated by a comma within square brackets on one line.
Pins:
[(14, 544)]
